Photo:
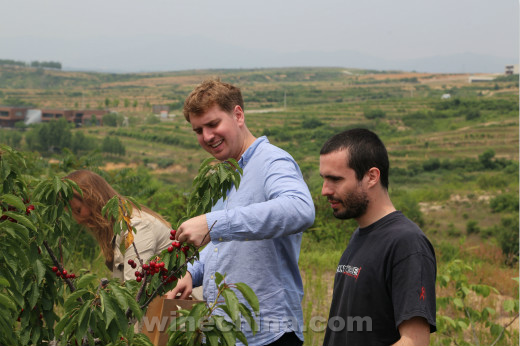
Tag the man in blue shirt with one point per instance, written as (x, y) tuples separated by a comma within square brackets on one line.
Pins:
[(258, 228)]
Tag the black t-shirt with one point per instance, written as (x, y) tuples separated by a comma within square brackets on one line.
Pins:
[(385, 276)]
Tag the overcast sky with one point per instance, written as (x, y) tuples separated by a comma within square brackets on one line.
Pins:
[(139, 35)]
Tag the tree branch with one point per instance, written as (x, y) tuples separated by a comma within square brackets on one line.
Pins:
[(57, 264)]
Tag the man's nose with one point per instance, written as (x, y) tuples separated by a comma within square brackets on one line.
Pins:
[(207, 135), (326, 190)]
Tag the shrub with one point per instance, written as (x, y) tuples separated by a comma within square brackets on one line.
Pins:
[(472, 227), (507, 236), (504, 203), (374, 114)]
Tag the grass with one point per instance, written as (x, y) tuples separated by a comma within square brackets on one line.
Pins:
[(448, 199)]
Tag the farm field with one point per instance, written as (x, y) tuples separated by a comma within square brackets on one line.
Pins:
[(454, 162)]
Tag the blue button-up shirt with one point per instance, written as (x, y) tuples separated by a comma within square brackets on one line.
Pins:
[(256, 240)]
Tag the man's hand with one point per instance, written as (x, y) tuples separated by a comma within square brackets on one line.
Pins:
[(184, 287), (194, 231)]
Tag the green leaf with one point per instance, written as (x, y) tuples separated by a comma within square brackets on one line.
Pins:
[(218, 278), (4, 282), (34, 294), (241, 337), (225, 329), (17, 231), (462, 324), (85, 280), (248, 316), (107, 307), (21, 219), (231, 302), (13, 200), (458, 302), (249, 295), (509, 305), (40, 269), (496, 330), (56, 184), (212, 338), (7, 302), (72, 300), (83, 318)]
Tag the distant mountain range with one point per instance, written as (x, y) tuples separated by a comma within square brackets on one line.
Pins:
[(167, 54)]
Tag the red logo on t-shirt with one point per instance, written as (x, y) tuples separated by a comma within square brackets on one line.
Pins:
[(423, 293)]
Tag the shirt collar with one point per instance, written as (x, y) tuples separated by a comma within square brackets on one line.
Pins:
[(246, 156)]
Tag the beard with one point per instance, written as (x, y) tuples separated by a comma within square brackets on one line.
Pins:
[(354, 205)]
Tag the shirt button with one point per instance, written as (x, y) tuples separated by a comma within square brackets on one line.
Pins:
[(220, 239), (247, 239), (211, 277), (216, 249)]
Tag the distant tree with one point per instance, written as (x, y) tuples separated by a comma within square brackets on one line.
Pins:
[(110, 120), (486, 159), (431, 164), (152, 119), (113, 119), (135, 104), (12, 62), (374, 114), (107, 102), (50, 137), (11, 138), (93, 120), (81, 143), (311, 123), (113, 145), (126, 103), (15, 101), (507, 236)]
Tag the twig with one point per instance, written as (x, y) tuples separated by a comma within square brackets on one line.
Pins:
[(194, 256), (57, 264), (503, 330)]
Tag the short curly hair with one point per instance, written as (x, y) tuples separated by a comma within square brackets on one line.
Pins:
[(210, 93)]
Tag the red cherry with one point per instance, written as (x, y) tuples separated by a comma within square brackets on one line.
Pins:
[(161, 264), (176, 244), (64, 272), (170, 248), (72, 276), (137, 273), (131, 261), (58, 273), (28, 209), (55, 269), (172, 232), (152, 264), (146, 266), (138, 279)]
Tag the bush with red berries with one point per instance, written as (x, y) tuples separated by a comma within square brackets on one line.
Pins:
[(42, 301)]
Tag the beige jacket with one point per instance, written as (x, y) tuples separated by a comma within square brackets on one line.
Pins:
[(151, 238)]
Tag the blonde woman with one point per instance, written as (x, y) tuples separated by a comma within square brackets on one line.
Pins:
[(153, 232)]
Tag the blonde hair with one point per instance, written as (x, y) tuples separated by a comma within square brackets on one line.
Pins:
[(96, 193), (210, 93)]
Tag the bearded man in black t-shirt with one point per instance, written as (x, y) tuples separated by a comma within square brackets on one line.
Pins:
[(384, 286)]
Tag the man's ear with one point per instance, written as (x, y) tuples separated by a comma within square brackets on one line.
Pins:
[(373, 176), (238, 113)]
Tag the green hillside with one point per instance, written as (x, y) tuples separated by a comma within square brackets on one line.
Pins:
[(454, 162)]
